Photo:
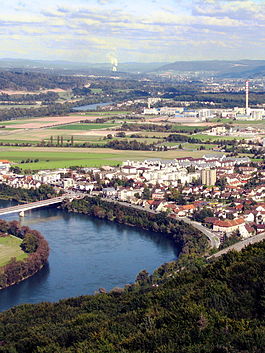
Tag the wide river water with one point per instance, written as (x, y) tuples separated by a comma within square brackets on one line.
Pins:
[(86, 254), (87, 107)]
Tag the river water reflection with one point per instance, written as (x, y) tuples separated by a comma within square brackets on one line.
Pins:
[(86, 254)]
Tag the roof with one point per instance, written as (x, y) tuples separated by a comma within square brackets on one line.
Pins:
[(188, 207), (210, 220), (229, 223)]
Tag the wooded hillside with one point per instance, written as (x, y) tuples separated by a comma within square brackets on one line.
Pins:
[(216, 309)]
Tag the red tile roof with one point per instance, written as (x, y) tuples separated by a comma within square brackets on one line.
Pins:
[(229, 223)]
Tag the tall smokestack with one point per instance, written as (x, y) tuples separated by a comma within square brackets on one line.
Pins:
[(247, 94)]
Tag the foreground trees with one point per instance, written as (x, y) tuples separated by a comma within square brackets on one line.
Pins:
[(216, 309)]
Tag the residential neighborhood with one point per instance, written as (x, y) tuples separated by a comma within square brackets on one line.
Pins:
[(224, 194)]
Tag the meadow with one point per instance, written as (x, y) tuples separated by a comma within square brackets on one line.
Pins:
[(204, 137), (62, 157), (10, 248), (87, 126)]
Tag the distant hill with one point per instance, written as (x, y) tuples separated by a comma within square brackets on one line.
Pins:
[(130, 67), (221, 68)]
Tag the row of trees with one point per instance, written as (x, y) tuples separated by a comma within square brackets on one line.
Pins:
[(162, 128), (33, 243), (129, 145), (19, 194)]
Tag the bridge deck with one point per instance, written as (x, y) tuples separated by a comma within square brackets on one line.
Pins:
[(31, 205)]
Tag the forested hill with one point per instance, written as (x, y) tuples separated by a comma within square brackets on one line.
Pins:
[(223, 68), (30, 81), (216, 309)]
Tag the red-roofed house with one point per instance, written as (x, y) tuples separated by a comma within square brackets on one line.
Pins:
[(228, 226)]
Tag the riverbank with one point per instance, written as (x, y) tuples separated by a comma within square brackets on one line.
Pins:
[(32, 244), (191, 242)]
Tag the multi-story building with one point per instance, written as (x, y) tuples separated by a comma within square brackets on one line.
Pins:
[(208, 176)]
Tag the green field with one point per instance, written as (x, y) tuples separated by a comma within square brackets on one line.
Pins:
[(18, 122), (62, 157), (190, 146), (5, 106), (10, 248), (82, 127), (204, 137), (96, 90), (187, 127)]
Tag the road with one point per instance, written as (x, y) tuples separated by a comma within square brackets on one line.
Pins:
[(240, 245), (213, 238)]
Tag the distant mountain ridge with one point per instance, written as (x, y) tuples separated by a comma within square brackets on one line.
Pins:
[(130, 67), (221, 68)]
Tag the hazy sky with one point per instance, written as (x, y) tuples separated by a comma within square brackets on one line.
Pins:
[(133, 30)]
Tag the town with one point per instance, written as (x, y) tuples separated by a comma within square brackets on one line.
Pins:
[(224, 194)]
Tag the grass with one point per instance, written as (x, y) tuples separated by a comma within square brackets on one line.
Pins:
[(22, 122), (10, 247), (6, 106), (204, 137), (62, 157), (18, 141), (187, 127), (82, 127), (96, 90), (191, 146)]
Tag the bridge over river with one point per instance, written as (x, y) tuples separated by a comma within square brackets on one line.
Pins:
[(32, 205)]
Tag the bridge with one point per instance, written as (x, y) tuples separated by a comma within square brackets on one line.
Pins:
[(32, 205)]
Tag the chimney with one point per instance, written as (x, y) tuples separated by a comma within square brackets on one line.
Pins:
[(247, 93)]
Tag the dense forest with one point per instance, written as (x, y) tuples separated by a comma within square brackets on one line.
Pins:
[(216, 309), (21, 112), (33, 81), (33, 243)]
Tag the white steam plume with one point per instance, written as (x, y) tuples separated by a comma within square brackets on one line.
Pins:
[(113, 60)]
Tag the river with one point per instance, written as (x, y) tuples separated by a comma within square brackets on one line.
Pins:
[(86, 254), (87, 107)]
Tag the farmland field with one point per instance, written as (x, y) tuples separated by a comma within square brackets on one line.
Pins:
[(85, 126), (102, 113), (62, 157), (10, 247), (204, 137), (45, 122)]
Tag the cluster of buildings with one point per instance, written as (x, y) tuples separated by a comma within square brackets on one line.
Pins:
[(236, 113), (204, 114), (231, 189)]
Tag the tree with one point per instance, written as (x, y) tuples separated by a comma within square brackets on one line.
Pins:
[(120, 134), (222, 182), (16, 170), (29, 243), (146, 195)]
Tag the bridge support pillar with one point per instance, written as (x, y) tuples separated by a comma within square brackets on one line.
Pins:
[(22, 214)]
